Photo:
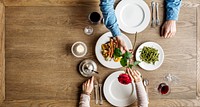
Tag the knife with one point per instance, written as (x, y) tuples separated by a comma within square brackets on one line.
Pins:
[(96, 92), (100, 94), (157, 15)]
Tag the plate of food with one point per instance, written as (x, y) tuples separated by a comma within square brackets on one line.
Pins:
[(118, 94), (132, 15), (150, 55), (105, 48)]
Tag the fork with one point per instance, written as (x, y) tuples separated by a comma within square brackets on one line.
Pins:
[(152, 8)]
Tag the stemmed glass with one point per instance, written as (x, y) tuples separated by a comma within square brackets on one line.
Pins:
[(164, 88), (94, 18), (171, 78)]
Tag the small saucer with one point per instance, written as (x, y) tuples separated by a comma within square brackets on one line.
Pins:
[(87, 72)]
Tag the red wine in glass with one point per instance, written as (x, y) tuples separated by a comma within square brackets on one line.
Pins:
[(163, 88), (94, 17)]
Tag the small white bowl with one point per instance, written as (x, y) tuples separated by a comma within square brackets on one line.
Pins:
[(79, 49)]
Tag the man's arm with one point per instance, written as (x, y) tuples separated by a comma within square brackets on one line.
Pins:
[(172, 9), (110, 20)]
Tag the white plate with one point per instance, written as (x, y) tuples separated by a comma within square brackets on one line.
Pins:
[(145, 65), (132, 15), (103, 39), (118, 94)]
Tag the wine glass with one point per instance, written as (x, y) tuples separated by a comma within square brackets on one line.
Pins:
[(163, 88), (94, 17)]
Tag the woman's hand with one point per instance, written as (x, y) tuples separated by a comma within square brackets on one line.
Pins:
[(168, 29), (134, 74), (87, 86)]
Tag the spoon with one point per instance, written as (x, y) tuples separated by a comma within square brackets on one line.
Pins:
[(146, 83), (95, 71), (90, 68)]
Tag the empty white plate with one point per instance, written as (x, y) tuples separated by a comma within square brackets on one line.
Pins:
[(132, 15)]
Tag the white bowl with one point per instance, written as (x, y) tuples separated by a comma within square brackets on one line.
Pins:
[(79, 49)]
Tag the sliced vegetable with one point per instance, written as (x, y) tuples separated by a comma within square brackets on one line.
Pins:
[(149, 55)]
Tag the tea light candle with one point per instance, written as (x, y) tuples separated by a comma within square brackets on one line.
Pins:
[(80, 48)]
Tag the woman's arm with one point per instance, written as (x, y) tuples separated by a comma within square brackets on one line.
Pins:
[(141, 93), (84, 100), (87, 88)]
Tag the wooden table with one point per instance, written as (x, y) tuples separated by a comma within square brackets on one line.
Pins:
[(40, 71)]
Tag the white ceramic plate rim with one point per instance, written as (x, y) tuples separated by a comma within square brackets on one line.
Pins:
[(146, 12), (118, 102), (103, 39), (145, 65)]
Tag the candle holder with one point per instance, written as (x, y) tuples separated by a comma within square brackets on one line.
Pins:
[(79, 49)]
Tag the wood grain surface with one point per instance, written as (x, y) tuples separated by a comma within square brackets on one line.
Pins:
[(73, 103), (198, 51), (41, 71), (2, 52), (51, 2), (185, 3)]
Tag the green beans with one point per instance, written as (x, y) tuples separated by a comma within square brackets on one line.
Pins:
[(149, 55)]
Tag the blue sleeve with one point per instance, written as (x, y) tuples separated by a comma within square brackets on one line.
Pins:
[(110, 20), (172, 9)]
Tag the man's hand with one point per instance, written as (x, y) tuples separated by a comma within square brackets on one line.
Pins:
[(122, 44), (168, 29)]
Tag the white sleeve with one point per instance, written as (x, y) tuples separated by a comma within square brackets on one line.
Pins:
[(84, 100), (141, 95)]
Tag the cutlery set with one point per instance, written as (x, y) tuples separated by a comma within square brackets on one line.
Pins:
[(155, 20), (98, 92)]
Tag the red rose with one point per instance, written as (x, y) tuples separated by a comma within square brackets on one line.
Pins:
[(124, 79)]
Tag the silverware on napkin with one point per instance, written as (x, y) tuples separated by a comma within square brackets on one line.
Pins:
[(152, 12), (157, 15)]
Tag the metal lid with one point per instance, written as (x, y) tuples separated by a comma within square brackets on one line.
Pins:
[(87, 67)]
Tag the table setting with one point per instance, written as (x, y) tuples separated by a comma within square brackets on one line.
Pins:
[(133, 17), (51, 52)]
